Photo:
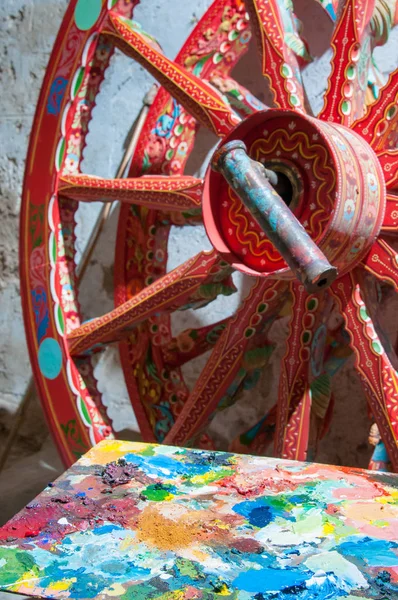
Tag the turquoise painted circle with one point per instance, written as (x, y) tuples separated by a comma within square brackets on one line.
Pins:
[(50, 358), (86, 13)]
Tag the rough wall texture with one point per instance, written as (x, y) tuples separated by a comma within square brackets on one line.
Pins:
[(27, 32)]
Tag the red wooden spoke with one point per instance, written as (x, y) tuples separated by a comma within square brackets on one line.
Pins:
[(263, 302), (302, 364), (170, 292), (191, 343), (298, 426), (379, 377), (279, 63), (379, 127), (241, 100), (382, 262), (155, 191), (291, 434), (345, 96), (389, 164), (390, 222), (199, 98)]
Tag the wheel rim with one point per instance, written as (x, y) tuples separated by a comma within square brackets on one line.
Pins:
[(60, 347)]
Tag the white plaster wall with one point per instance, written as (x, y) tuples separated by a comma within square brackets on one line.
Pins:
[(27, 32)]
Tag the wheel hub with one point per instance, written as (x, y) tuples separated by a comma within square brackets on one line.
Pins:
[(331, 180)]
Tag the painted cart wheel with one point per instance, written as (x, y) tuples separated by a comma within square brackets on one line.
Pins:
[(340, 177)]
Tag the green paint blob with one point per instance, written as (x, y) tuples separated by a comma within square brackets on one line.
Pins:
[(60, 319), (84, 411), (60, 154), (87, 13), (14, 564), (286, 70), (140, 592), (158, 492), (380, 523), (346, 107), (351, 72), (188, 568), (78, 81), (377, 347), (53, 249), (209, 477), (312, 304), (262, 307)]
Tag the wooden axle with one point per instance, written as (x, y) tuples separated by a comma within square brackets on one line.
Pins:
[(252, 183)]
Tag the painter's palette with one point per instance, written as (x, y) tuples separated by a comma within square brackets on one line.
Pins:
[(141, 521)]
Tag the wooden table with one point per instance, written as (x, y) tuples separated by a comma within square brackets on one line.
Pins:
[(140, 521)]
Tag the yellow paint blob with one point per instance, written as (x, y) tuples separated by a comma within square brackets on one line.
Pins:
[(178, 595), (391, 499), (223, 590), (62, 585), (208, 477), (28, 581), (110, 451), (221, 525), (328, 528)]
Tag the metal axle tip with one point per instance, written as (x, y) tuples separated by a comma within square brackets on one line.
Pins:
[(322, 280)]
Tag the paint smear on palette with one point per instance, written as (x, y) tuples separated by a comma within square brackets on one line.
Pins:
[(139, 521)]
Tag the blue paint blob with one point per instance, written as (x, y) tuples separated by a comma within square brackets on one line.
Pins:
[(56, 95), (270, 580), (40, 308), (248, 507), (379, 553), (162, 466), (260, 516), (85, 585), (301, 500), (106, 529), (263, 510), (50, 358)]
